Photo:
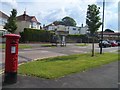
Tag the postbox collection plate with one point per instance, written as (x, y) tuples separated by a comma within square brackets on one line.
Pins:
[(13, 49)]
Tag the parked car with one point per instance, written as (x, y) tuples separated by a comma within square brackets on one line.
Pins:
[(104, 44), (118, 42), (114, 43)]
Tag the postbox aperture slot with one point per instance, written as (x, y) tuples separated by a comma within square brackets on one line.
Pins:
[(14, 42)]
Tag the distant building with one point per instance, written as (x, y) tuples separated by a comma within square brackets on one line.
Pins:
[(26, 21), (71, 29), (109, 35), (3, 19), (83, 29)]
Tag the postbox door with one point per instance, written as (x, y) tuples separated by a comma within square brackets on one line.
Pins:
[(14, 55)]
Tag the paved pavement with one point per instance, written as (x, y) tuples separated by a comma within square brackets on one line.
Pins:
[(102, 77)]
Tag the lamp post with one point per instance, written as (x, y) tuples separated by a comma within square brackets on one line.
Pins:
[(102, 27)]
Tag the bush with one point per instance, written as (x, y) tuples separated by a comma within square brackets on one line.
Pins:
[(80, 38), (76, 38), (35, 35)]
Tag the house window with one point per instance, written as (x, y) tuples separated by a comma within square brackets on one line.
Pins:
[(0, 21), (33, 25), (74, 28), (3, 21)]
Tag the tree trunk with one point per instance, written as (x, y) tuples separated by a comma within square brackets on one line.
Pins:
[(93, 46)]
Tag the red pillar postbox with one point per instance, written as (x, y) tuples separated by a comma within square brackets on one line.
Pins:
[(11, 58)]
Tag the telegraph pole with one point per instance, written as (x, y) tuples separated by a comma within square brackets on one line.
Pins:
[(102, 26)]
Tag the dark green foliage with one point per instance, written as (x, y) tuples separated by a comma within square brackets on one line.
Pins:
[(81, 39), (58, 23), (109, 30), (68, 21), (76, 38), (11, 25), (34, 35)]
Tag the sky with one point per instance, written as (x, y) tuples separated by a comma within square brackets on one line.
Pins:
[(47, 11)]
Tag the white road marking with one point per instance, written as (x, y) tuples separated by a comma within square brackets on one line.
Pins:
[(44, 51)]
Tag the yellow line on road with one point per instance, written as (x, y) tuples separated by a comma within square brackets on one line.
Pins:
[(1, 71)]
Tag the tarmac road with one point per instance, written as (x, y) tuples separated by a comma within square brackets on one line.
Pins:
[(45, 52)]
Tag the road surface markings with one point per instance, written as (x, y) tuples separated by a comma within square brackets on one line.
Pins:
[(1, 71), (44, 51)]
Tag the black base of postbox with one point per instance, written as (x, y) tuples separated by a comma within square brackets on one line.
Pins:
[(10, 77)]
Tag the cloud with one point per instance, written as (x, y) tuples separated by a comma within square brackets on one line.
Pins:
[(12, 3), (48, 11), (111, 20), (111, 15), (57, 10)]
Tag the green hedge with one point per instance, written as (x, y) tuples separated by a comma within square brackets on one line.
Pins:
[(35, 35), (76, 38), (80, 38)]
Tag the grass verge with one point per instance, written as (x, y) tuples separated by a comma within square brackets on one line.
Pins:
[(83, 44), (63, 65), (47, 45), (21, 46)]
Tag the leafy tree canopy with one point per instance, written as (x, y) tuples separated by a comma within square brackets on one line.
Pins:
[(93, 18), (109, 30), (67, 21), (58, 23), (11, 25)]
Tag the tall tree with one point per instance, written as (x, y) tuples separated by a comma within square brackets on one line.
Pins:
[(68, 21), (93, 22), (11, 25)]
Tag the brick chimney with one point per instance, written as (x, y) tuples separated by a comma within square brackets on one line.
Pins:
[(81, 25), (24, 15)]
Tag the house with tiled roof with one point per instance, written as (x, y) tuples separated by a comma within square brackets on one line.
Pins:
[(71, 29), (26, 21), (3, 19)]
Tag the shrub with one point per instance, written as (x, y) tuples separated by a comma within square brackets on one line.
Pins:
[(79, 38), (76, 38), (35, 35)]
